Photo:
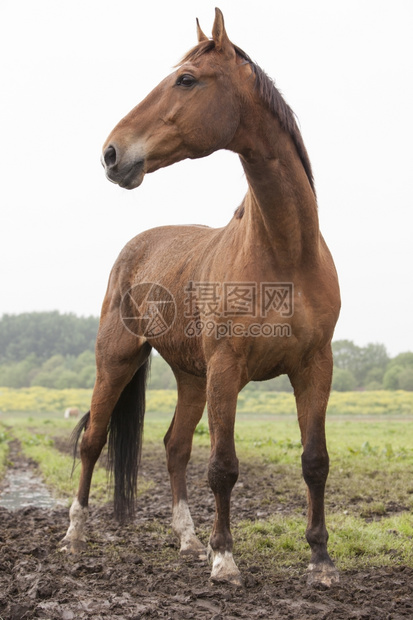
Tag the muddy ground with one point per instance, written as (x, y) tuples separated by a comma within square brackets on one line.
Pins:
[(134, 571)]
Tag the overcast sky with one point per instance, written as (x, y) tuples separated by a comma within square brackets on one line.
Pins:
[(71, 69)]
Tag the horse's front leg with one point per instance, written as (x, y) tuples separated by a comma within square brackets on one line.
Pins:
[(178, 445), (223, 385), (312, 389)]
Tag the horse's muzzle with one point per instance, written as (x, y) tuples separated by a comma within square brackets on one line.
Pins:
[(121, 170)]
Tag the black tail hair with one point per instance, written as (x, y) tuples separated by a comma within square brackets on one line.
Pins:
[(75, 436), (125, 442)]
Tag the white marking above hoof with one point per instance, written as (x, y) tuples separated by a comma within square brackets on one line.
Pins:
[(224, 569), (183, 526), (75, 539), (322, 574)]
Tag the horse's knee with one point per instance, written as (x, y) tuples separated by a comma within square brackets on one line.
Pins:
[(315, 467)]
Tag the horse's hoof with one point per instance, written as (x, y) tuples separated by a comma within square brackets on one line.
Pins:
[(234, 579), (324, 574), (190, 554), (224, 569), (73, 546), (192, 549)]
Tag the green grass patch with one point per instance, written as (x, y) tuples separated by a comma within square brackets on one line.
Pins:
[(279, 543), (275, 544), (355, 543)]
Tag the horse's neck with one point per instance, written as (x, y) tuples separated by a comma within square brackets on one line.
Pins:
[(280, 206)]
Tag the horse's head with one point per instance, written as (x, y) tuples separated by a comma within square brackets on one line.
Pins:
[(191, 113)]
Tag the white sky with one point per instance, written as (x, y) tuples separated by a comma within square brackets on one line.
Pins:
[(71, 69)]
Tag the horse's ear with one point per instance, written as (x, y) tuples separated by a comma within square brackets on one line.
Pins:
[(219, 34), (201, 35)]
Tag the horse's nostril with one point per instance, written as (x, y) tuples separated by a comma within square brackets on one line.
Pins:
[(110, 156)]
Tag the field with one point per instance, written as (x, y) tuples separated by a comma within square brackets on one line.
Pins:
[(135, 572), (381, 402)]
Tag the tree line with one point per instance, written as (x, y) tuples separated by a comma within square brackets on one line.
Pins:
[(370, 368), (48, 349), (56, 350)]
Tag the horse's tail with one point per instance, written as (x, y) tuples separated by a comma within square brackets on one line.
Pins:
[(125, 442), (75, 436)]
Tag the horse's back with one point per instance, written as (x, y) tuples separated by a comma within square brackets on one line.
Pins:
[(165, 253)]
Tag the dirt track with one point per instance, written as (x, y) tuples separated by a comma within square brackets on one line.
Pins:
[(135, 572)]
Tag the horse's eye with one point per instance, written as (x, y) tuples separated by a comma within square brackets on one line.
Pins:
[(186, 80)]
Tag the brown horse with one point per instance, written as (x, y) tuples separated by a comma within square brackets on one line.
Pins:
[(247, 302)]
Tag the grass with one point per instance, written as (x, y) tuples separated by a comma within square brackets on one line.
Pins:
[(364, 404), (369, 496), (279, 543), (4, 449)]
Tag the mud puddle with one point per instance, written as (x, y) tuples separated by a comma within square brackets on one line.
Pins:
[(22, 489), (21, 486)]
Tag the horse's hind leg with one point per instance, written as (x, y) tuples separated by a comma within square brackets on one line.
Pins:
[(312, 388), (119, 356), (178, 445)]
